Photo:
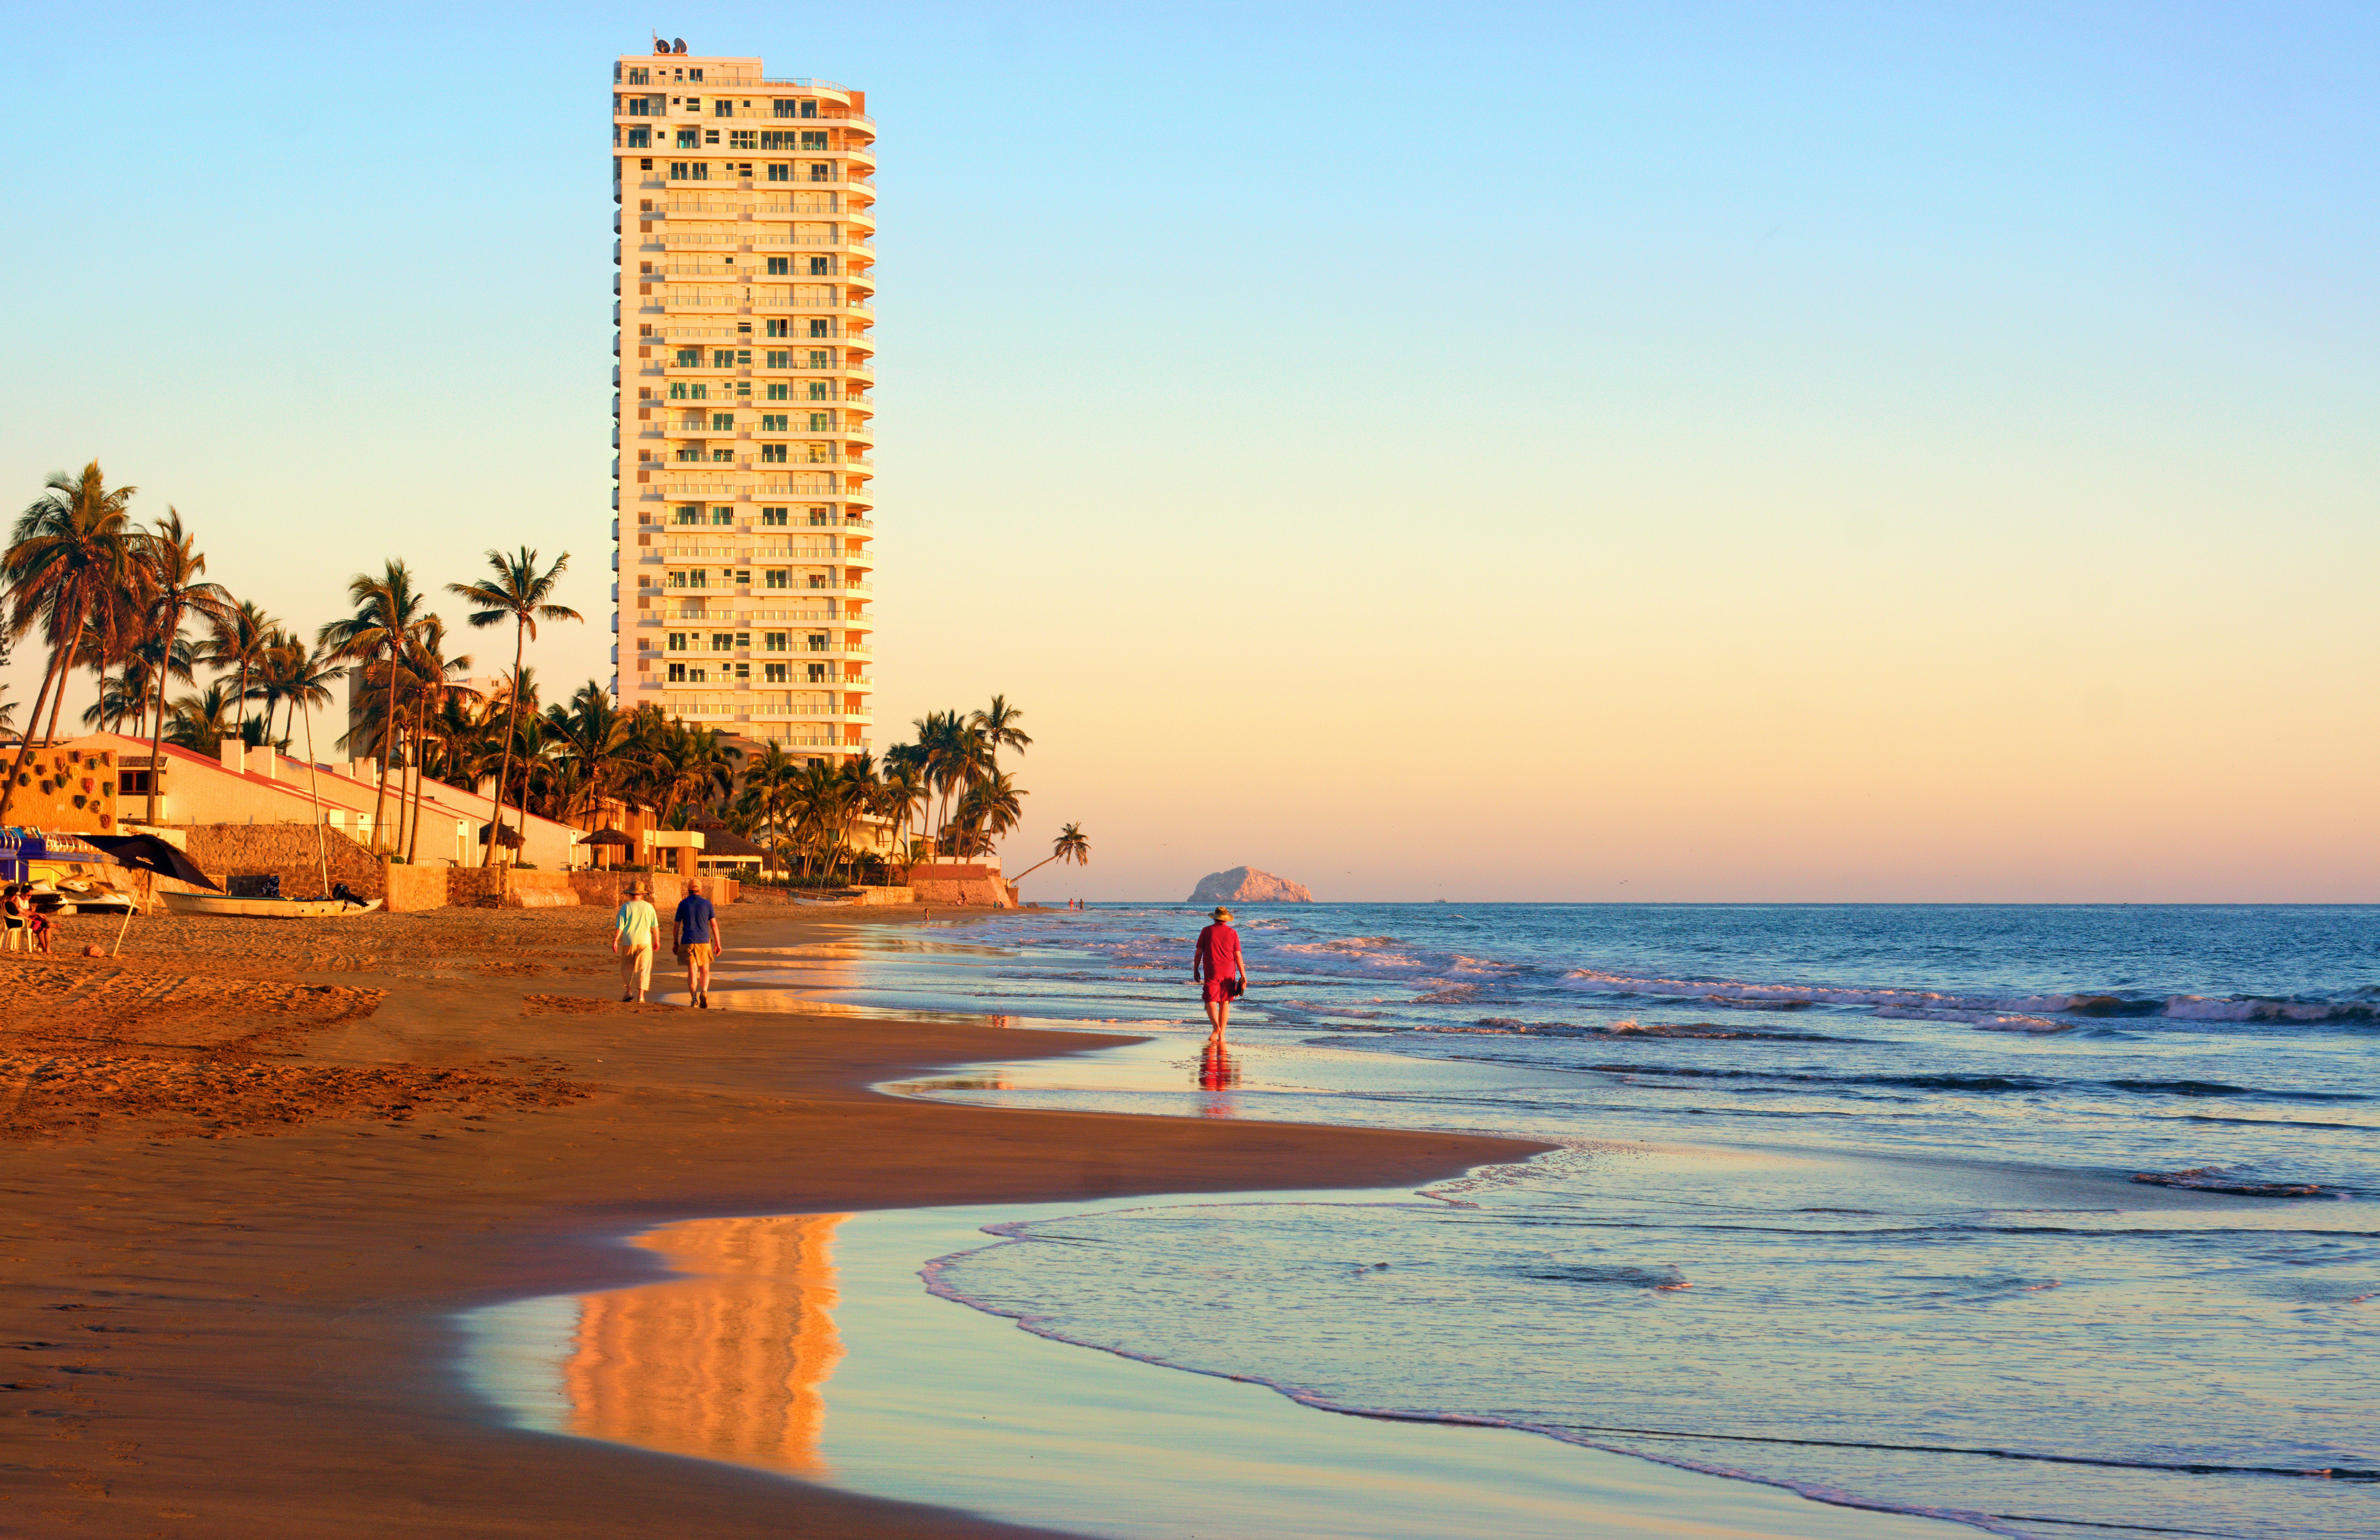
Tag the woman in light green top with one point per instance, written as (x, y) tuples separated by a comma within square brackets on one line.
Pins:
[(634, 928)]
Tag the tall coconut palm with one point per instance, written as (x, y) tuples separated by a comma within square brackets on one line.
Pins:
[(176, 587), (768, 780), (860, 782), (902, 793), (386, 609), (999, 728), (520, 593), (70, 551), (1070, 846), (429, 680)]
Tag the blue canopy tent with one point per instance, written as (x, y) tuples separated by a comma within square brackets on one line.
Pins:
[(19, 848)]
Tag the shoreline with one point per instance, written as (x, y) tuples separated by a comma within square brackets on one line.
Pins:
[(234, 1318), (870, 1383)]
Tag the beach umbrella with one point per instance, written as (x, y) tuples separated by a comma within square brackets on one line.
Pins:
[(148, 853), (510, 836)]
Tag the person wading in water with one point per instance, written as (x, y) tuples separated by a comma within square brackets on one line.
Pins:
[(1219, 971)]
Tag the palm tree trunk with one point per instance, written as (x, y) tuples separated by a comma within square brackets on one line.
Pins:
[(58, 707), (387, 740), (421, 721), (504, 771), (25, 739), (243, 707), (173, 623)]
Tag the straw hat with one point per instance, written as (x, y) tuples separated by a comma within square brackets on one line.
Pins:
[(1223, 913)]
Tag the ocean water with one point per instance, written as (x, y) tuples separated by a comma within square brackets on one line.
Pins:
[(2063, 1221)]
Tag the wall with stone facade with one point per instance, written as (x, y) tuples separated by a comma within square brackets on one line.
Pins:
[(282, 850)]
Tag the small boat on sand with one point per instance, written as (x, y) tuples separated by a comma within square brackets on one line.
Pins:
[(268, 908)]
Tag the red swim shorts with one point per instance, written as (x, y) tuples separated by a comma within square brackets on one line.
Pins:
[(1218, 990)]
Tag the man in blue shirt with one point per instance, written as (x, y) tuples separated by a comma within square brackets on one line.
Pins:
[(698, 943)]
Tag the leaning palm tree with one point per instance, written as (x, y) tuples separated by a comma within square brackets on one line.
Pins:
[(176, 587), (387, 609), (520, 593), (1069, 845), (71, 550)]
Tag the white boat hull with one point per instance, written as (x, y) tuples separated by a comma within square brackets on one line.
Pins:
[(266, 908)]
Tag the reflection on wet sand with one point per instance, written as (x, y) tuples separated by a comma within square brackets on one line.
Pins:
[(1218, 1071), (724, 1362)]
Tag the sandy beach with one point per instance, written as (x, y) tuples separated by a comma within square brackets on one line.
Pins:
[(253, 1170)]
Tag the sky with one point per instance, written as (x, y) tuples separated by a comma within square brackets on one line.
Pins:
[(1583, 452)]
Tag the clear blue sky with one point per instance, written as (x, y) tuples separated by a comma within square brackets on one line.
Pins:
[(1677, 452)]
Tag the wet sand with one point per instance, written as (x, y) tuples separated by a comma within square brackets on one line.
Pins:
[(253, 1170)]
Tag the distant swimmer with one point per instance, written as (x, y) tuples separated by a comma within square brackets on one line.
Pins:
[(1218, 968)]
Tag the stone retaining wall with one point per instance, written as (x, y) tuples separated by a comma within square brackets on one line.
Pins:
[(282, 850)]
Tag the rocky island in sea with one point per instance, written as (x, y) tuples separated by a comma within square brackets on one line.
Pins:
[(1247, 885)]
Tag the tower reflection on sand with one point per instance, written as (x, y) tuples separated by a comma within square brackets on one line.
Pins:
[(724, 1362)]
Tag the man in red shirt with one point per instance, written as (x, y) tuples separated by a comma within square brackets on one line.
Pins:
[(1219, 969)]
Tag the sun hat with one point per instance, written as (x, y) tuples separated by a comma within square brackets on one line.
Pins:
[(1221, 913)]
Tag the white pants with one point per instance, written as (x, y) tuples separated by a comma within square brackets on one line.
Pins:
[(635, 970)]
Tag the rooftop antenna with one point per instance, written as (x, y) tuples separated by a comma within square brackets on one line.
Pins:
[(660, 46)]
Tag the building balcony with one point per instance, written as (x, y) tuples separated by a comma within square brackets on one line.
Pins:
[(803, 714)]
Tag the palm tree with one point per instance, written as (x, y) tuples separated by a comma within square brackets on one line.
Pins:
[(174, 587), (989, 810), (768, 782), (1070, 846), (523, 595), (427, 667), (954, 753), (693, 767), (902, 792), (120, 695), (293, 673), (386, 609), (243, 634), (201, 722), (859, 787), (593, 737), (71, 550), (999, 728)]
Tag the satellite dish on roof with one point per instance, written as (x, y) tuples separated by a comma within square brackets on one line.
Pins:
[(660, 46), (677, 45)]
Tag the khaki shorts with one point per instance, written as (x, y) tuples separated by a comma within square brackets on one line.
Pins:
[(698, 952)]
